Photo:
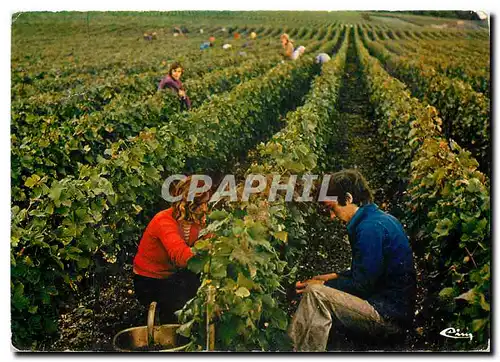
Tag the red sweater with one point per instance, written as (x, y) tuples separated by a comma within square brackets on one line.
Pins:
[(162, 249)]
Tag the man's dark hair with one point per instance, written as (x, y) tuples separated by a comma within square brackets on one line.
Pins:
[(350, 181)]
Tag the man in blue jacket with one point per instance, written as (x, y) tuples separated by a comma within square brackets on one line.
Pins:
[(376, 296)]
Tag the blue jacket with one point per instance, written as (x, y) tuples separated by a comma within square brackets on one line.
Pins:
[(382, 270)]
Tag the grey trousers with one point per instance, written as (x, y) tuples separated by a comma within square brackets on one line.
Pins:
[(311, 323)]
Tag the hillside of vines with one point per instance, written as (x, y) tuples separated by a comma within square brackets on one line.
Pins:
[(408, 103)]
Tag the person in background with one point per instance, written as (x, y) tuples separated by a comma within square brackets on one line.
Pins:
[(287, 45), (250, 42), (298, 52), (322, 58), (236, 36), (376, 297), (173, 81), (159, 268), (227, 46), (177, 31), (212, 40)]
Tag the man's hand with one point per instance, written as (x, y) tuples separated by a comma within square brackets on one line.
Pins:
[(301, 286), (326, 277)]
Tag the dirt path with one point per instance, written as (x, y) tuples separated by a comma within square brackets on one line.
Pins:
[(357, 121)]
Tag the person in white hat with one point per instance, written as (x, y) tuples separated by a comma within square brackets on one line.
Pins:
[(298, 52), (322, 58)]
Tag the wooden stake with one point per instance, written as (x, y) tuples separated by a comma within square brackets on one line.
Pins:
[(210, 326)]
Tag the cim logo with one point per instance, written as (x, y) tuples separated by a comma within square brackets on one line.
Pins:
[(455, 333)]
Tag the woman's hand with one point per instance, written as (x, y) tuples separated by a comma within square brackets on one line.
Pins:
[(326, 277), (301, 286), (182, 93)]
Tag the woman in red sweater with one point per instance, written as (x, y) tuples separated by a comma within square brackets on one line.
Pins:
[(160, 272)]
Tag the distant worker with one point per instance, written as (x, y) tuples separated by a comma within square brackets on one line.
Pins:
[(236, 36), (177, 30), (287, 45), (201, 31), (205, 45), (173, 81), (211, 42), (322, 58), (250, 42), (298, 52), (227, 46)]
